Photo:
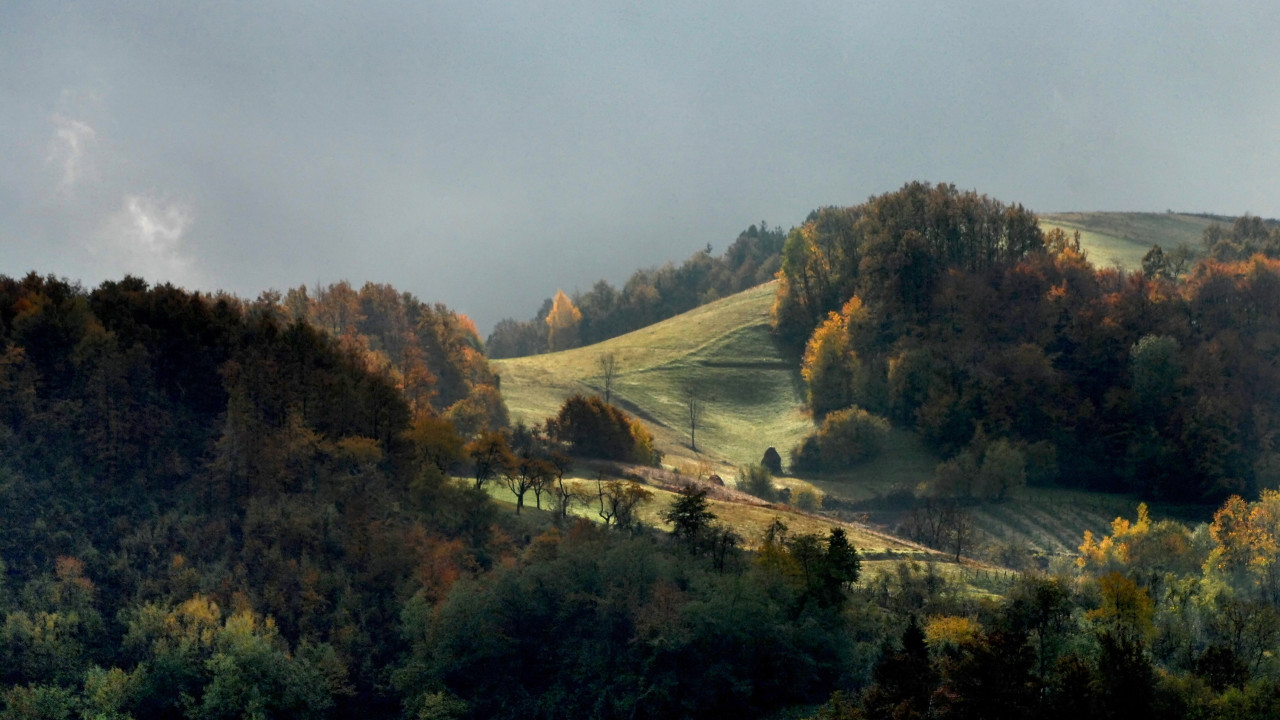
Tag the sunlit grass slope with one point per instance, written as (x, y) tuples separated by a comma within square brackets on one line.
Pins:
[(753, 392), (1122, 238)]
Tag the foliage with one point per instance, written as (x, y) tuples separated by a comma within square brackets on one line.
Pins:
[(807, 499), (614, 624), (1248, 236), (846, 438), (757, 480), (893, 249), (951, 314), (214, 510), (986, 471), (167, 454), (691, 518), (562, 323), (619, 502), (490, 455), (830, 367), (432, 354), (593, 428), (819, 571)]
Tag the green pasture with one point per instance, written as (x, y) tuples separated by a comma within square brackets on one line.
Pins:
[(749, 385), (1120, 239)]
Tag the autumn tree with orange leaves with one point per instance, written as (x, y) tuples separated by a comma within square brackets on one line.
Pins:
[(562, 323)]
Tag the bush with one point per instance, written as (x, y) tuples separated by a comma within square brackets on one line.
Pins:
[(594, 428), (643, 451), (990, 473), (807, 499), (847, 437), (758, 481)]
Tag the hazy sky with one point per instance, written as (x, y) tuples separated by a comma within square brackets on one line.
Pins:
[(484, 154)]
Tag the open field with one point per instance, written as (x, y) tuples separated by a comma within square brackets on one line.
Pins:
[(751, 385), (1121, 238)]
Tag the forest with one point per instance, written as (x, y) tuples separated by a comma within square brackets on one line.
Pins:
[(223, 508), (952, 314)]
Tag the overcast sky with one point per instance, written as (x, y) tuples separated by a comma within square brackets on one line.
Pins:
[(485, 154)]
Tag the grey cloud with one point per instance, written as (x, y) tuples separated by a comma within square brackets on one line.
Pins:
[(483, 154), (68, 147)]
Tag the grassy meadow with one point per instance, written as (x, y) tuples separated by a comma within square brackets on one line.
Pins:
[(1120, 239), (751, 387), (753, 395)]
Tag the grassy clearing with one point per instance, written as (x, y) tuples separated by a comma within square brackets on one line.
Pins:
[(1121, 239), (753, 392)]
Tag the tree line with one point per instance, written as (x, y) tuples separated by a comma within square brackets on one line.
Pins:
[(649, 296), (433, 355)]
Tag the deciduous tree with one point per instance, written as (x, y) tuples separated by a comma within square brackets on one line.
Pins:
[(562, 323), (608, 363)]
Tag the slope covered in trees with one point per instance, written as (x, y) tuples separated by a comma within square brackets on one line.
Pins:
[(208, 511), (214, 508), (952, 314), (432, 354)]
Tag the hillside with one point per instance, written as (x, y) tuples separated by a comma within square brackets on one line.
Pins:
[(756, 399), (212, 510), (1122, 238), (752, 385)]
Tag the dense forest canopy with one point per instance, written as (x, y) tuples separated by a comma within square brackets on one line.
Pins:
[(221, 509), (952, 314), (432, 354), (197, 490)]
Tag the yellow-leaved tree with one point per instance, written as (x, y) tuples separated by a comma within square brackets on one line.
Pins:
[(830, 366), (1247, 544), (562, 323)]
